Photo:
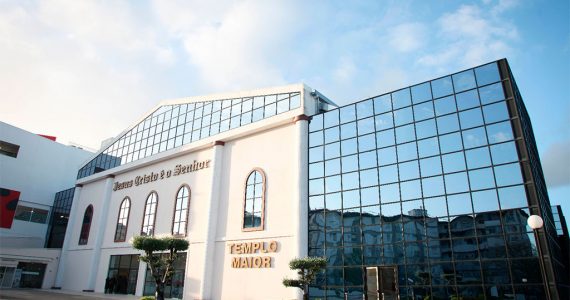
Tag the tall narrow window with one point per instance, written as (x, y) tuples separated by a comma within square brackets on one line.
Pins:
[(86, 225), (254, 204), (181, 211), (123, 220), (149, 214)]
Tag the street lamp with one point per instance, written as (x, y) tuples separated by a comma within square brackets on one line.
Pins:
[(536, 223)]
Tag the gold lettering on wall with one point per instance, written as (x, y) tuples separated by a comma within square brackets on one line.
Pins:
[(252, 248), (178, 170)]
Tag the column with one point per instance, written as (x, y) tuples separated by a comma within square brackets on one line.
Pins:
[(207, 272), (301, 203), (68, 233), (101, 224)]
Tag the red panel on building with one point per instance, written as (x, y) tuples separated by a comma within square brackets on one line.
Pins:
[(8, 202), (49, 137)]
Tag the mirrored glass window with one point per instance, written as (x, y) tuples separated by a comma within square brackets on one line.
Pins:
[(473, 138), (384, 121), (401, 98), (433, 186), (485, 201), (430, 166), (442, 87), (500, 132), (459, 204), (348, 146), (423, 111), (348, 130), (464, 81), (478, 158), (444, 106), (364, 109), (426, 129), (467, 100), (428, 147), (382, 104), (491, 93), (487, 74), (495, 112), (367, 160), (450, 142), (366, 142), (332, 150), (347, 114), (331, 118), (504, 153), (481, 179), (456, 182), (388, 174), (405, 134), (470, 118), (447, 124), (512, 197), (407, 151), (508, 174), (421, 92), (385, 138), (386, 156), (390, 193), (403, 116)]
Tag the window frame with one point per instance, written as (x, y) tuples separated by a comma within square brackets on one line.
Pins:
[(261, 227), (88, 230), (187, 211), (119, 239), (154, 213)]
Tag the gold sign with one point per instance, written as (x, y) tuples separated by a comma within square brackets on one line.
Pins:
[(146, 178), (252, 248)]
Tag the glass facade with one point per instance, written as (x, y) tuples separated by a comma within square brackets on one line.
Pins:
[(426, 180), (122, 274), (59, 218), (171, 126)]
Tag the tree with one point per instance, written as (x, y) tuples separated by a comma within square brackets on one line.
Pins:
[(160, 254), (307, 269)]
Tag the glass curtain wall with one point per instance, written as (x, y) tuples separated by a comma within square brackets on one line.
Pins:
[(172, 126), (426, 179)]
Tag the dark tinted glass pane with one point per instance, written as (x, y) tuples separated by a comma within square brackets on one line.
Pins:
[(468, 273)]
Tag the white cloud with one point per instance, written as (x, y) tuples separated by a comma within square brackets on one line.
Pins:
[(407, 37), (556, 164)]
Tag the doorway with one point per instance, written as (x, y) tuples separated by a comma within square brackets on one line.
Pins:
[(382, 283)]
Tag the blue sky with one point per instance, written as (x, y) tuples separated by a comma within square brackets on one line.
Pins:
[(86, 70)]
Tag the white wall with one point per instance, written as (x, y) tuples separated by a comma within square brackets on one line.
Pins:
[(41, 169), (50, 257)]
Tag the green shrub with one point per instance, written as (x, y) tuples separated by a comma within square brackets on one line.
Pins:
[(147, 298)]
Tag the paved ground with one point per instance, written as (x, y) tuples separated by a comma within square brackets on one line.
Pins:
[(32, 294)]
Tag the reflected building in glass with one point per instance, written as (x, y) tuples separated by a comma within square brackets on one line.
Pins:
[(424, 193)]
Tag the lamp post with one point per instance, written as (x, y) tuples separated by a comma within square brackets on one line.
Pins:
[(536, 223)]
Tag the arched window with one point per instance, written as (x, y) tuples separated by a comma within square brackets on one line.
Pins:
[(181, 211), (86, 225), (254, 201), (149, 214), (123, 220)]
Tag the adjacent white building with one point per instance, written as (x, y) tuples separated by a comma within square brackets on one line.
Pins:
[(231, 177), (32, 170)]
